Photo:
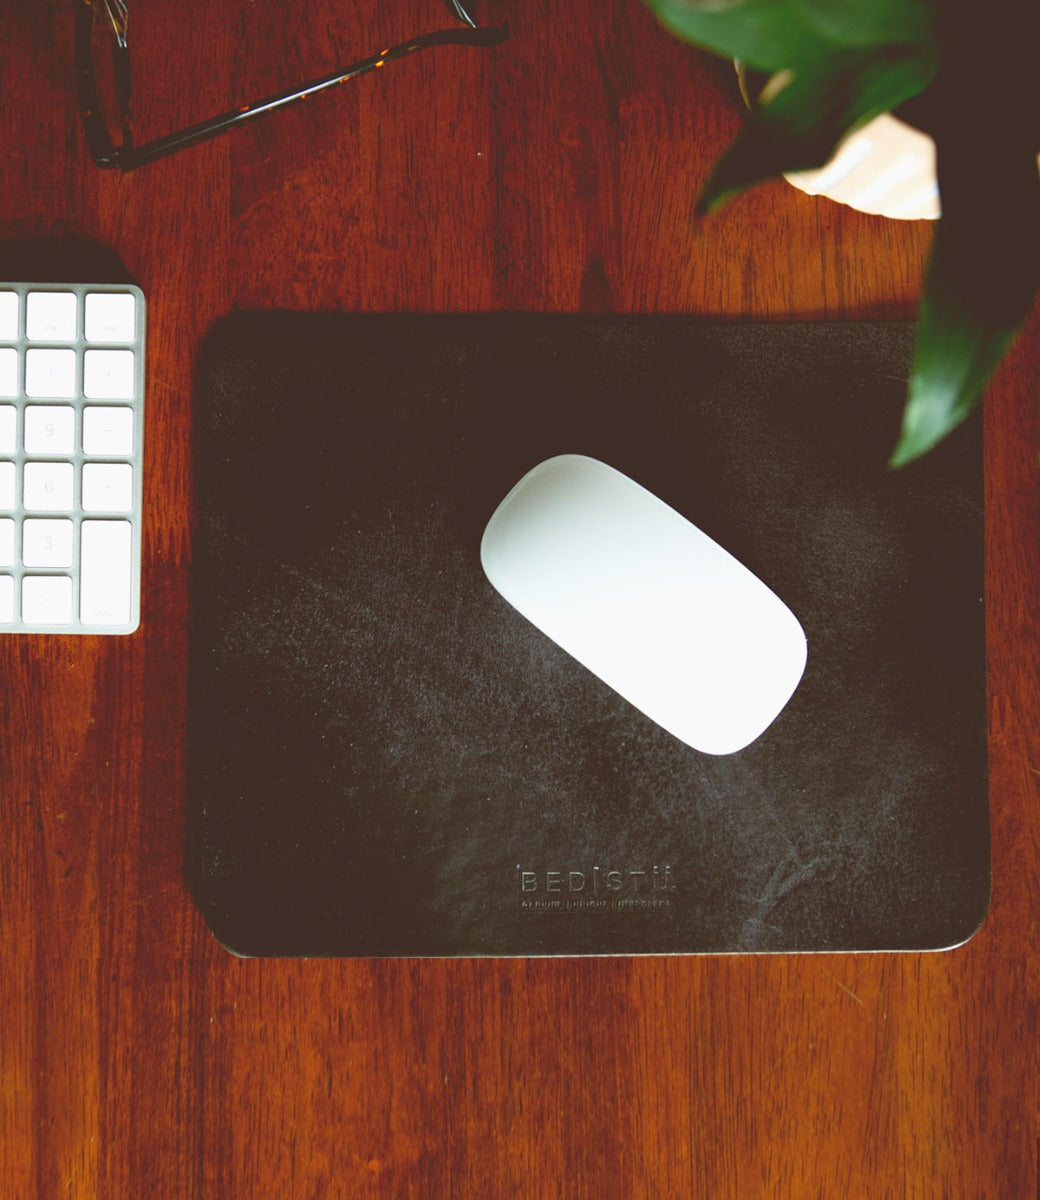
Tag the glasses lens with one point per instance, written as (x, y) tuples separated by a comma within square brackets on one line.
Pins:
[(110, 67), (462, 14), (117, 14)]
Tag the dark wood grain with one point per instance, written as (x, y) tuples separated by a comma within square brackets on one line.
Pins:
[(137, 1058)]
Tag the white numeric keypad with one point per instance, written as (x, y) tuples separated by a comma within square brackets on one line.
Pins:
[(71, 417)]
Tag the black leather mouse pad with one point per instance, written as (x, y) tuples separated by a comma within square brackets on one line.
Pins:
[(386, 759)]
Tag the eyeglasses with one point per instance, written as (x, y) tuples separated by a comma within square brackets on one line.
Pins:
[(113, 16)]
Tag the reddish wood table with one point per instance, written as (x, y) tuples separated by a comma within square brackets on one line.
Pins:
[(137, 1058)]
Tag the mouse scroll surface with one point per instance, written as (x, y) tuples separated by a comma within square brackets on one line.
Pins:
[(646, 601)]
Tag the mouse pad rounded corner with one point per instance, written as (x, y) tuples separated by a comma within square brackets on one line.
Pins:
[(386, 759)]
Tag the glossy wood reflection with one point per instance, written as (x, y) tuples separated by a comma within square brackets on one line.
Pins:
[(137, 1058)]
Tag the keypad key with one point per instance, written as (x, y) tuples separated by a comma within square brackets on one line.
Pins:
[(105, 572), (8, 486), (108, 487), (109, 317), (7, 547), (47, 599), (47, 542), (50, 373), (108, 430), (48, 487), (8, 429), (108, 374), (6, 599), (8, 371), (8, 316), (50, 429), (51, 316)]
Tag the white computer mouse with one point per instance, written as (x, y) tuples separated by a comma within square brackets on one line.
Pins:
[(645, 600)]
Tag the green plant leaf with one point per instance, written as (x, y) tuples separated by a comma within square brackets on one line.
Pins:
[(981, 283), (835, 64), (985, 269), (771, 35), (875, 24), (765, 35), (802, 123)]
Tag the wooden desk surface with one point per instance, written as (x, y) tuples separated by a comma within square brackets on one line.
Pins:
[(137, 1058)]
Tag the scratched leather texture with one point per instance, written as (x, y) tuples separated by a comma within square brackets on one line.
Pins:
[(385, 759)]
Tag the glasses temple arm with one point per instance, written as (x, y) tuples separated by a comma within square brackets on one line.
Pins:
[(131, 158)]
